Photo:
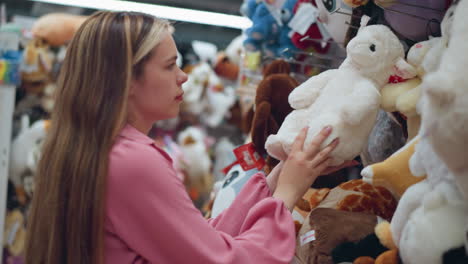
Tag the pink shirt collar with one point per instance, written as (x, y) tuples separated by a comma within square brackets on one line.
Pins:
[(134, 134)]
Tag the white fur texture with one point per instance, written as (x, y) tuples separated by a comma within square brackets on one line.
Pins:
[(346, 98), (206, 96), (444, 102), (195, 153), (25, 151), (194, 100), (430, 216), (219, 99), (426, 55)]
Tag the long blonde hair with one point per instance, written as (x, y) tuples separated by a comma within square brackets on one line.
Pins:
[(66, 222)]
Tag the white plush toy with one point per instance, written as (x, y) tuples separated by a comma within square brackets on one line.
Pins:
[(235, 49), (25, 150), (192, 144), (432, 211), (195, 89), (219, 100), (432, 215), (206, 51), (206, 96), (426, 55), (444, 105), (346, 98), (223, 156), (444, 102)]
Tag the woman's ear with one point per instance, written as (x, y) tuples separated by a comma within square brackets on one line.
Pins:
[(133, 86)]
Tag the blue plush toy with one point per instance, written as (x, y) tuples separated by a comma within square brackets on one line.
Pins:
[(266, 34), (264, 31), (285, 46)]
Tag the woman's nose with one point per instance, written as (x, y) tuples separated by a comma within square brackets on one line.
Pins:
[(182, 77)]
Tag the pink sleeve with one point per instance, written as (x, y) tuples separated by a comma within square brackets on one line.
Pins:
[(231, 219), (149, 209)]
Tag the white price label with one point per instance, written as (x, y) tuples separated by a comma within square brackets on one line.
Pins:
[(307, 237)]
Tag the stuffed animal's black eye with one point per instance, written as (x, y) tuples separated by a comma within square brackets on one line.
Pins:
[(232, 177), (372, 47)]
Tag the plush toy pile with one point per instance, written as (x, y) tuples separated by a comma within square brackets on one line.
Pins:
[(387, 76)]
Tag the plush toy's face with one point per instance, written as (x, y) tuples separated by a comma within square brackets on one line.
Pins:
[(233, 182), (372, 44), (36, 66)]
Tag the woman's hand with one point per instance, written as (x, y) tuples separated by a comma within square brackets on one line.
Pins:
[(272, 178), (303, 166)]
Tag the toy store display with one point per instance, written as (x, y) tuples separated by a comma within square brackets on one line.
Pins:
[(11, 222), (387, 75)]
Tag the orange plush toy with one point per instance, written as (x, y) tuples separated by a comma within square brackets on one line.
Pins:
[(56, 28)]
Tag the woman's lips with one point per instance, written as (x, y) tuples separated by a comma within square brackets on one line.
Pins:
[(180, 97)]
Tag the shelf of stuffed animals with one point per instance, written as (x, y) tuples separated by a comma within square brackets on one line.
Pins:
[(9, 80), (250, 75), (10, 60)]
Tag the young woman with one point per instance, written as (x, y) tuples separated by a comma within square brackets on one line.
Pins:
[(106, 194)]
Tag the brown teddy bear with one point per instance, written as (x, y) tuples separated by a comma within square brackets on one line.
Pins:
[(271, 105)]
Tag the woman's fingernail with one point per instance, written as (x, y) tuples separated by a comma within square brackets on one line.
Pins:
[(336, 141), (327, 129)]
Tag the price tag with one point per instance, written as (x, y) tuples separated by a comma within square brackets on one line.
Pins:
[(248, 158)]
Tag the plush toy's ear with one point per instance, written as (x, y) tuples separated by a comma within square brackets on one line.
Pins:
[(364, 21), (404, 69), (455, 256), (277, 66), (262, 126), (247, 121)]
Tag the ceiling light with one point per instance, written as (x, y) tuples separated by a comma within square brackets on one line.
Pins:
[(171, 13)]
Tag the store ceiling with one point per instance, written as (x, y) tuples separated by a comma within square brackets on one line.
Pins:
[(221, 6), (185, 32)]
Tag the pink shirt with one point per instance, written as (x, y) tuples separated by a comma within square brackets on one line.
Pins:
[(151, 219)]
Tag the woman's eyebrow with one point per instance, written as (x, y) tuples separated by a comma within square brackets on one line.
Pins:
[(172, 58)]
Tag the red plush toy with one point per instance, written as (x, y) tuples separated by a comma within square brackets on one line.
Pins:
[(312, 37)]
